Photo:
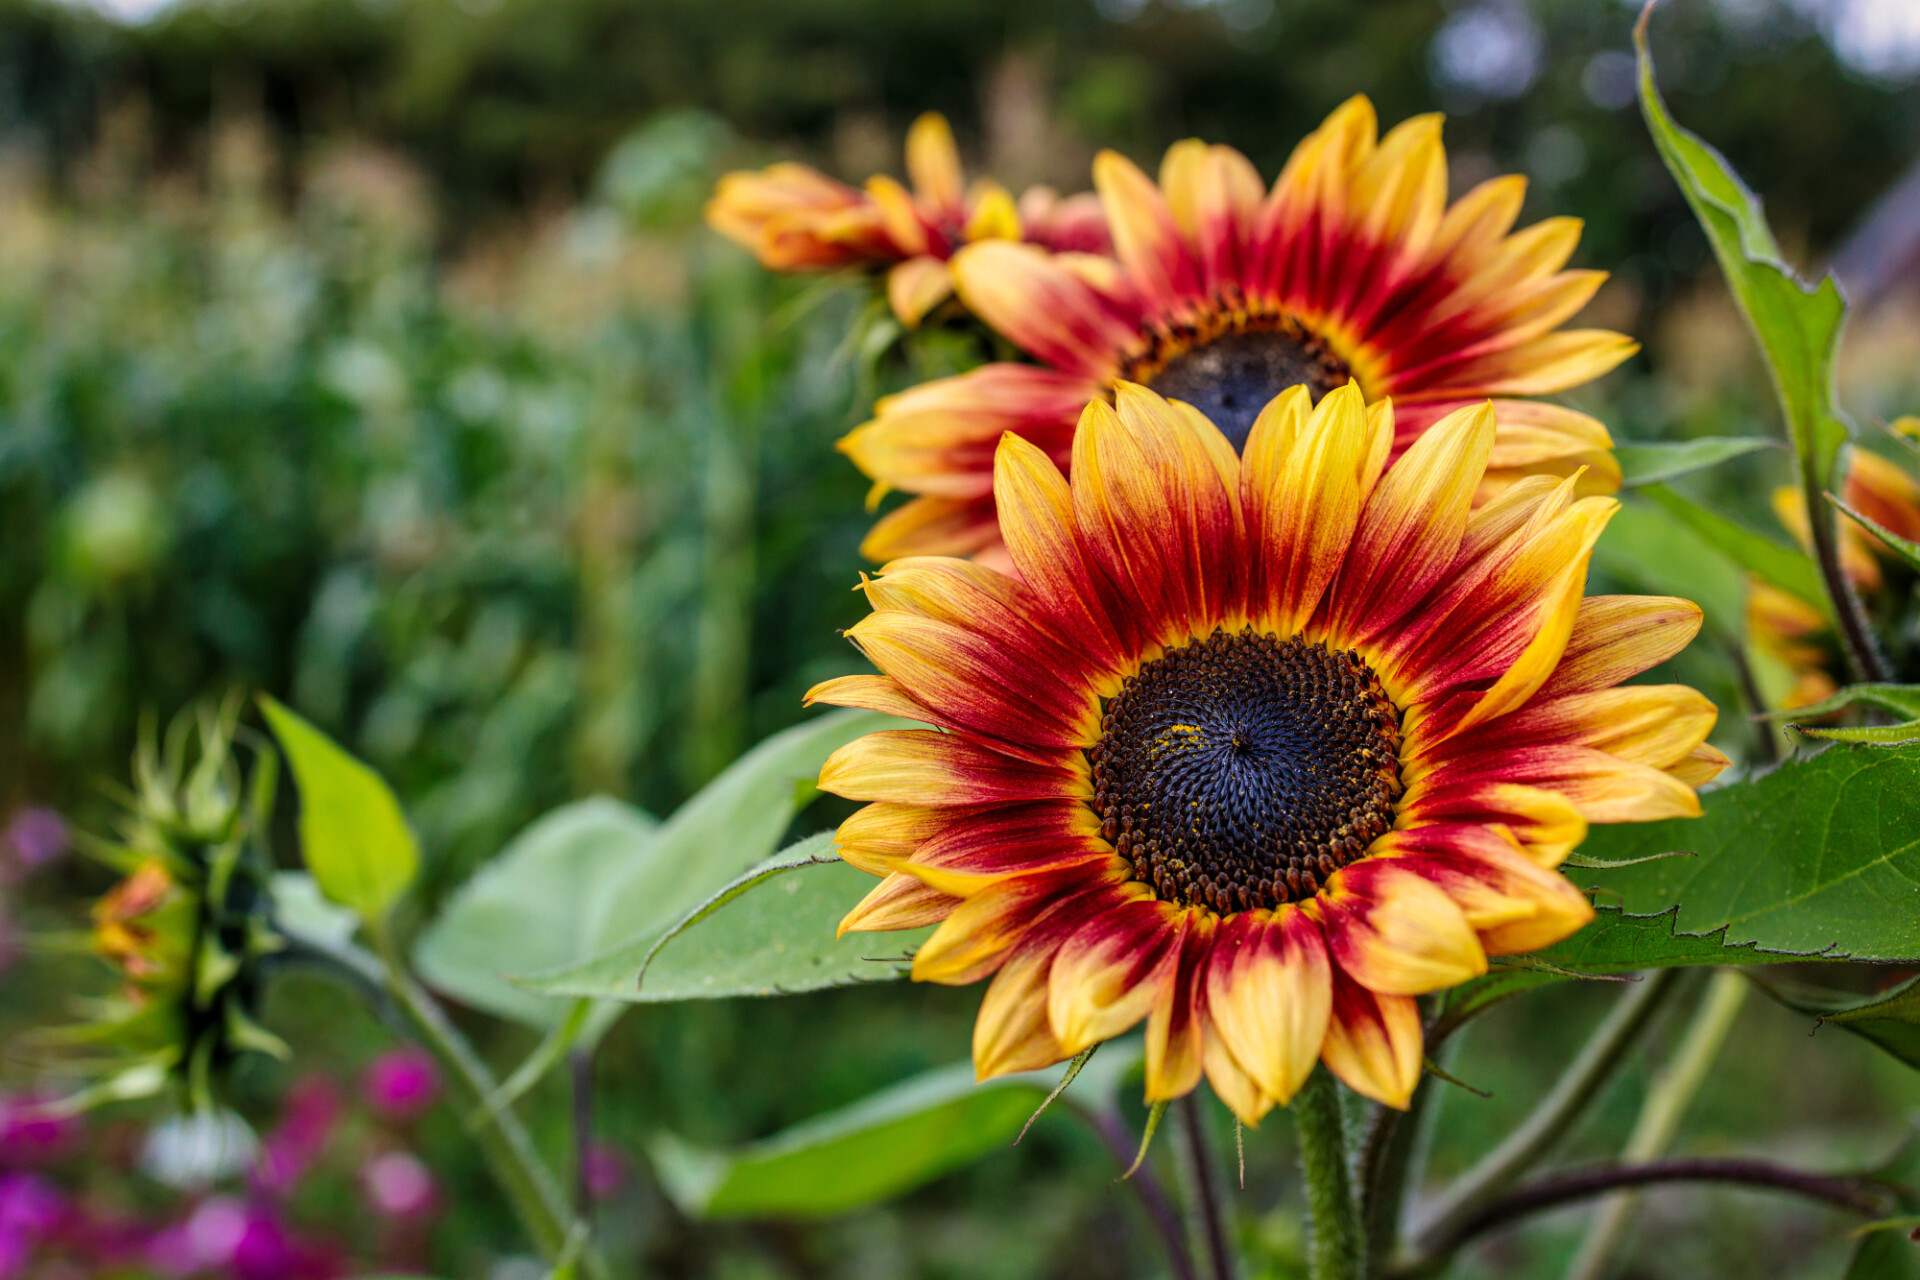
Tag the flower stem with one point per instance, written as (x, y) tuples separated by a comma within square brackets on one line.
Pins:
[(1153, 1197), (1203, 1191), (502, 1139), (1556, 1113), (1387, 1157), (1336, 1247), (1660, 1115), (1864, 657), (1853, 1194)]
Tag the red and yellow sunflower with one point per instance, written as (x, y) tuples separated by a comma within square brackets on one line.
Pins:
[(1795, 631), (1256, 746), (1223, 294), (795, 218)]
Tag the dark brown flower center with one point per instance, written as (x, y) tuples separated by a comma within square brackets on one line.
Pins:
[(1242, 770), (1232, 375)]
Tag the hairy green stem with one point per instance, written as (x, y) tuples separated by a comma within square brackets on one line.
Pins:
[(1660, 1115), (1386, 1167), (1337, 1244), (1556, 1113)]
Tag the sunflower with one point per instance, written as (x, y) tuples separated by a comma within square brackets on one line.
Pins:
[(1223, 294), (1794, 631), (1256, 747), (795, 218)]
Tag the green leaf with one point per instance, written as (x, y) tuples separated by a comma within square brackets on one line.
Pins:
[(353, 836), (875, 1149), (1650, 463), (1884, 1255), (769, 932), (1886, 735), (1615, 943), (1797, 325), (1905, 548), (1889, 1019), (1581, 862), (1786, 567), (1818, 858), (1648, 550), (734, 822), (300, 907), (522, 912), (1900, 699)]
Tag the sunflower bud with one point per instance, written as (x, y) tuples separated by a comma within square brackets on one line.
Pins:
[(186, 928)]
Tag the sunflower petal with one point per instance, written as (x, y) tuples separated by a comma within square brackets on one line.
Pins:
[(1269, 993), (898, 902), (1396, 932), (933, 163), (1374, 1043), (920, 766), (916, 286), (1176, 1026), (1108, 975)]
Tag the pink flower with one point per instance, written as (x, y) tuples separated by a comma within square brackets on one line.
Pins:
[(15, 1252), (401, 1083), (398, 1185), (32, 838), (30, 1205), (306, 1124), (29, 1135), (605, 1169), (245, 1242)]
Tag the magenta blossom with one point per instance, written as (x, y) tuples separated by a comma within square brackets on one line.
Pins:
[(401, 1083), (224, 1236), (604, 1170), (31, 1133), (398, 1185), (296, 1144), (31, 838)]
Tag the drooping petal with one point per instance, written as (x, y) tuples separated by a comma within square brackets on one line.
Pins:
[(1011, 1032), (1396, 932), (1269, 993), (916, 286), (981, 930), (1107, 976), (1374, 1043), (1514, 904), (1177, 1023)]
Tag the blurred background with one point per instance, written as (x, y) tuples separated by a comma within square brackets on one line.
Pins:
[(373, 353)]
